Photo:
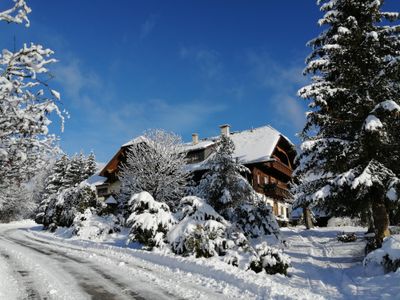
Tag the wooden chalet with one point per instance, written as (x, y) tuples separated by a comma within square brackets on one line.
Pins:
[(264, 151)]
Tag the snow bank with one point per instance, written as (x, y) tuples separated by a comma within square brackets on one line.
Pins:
[(388, 256), (340, 222), (90, 226)]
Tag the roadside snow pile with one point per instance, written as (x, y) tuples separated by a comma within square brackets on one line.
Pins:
[(388, 256), (150, 220), (89, 226), (342, 222)]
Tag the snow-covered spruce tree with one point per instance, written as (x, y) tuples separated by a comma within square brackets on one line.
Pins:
[(155, 164), (350, 159), (76, 171), (65, 194), (223, 185), (25, 104), (150, 220), (230, 194), (90, 165)]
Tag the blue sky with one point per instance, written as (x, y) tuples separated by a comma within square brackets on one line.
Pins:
[(185, 66)]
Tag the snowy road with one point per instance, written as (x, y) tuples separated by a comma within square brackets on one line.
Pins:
[(41, 270), (39, 265), (33, 268)]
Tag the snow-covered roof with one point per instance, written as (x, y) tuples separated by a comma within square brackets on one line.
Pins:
[(137, 140), (199, 146), (96, 179), (253, 145), (111, 200)]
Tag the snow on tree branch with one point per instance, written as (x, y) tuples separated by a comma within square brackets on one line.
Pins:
[(17, 14)]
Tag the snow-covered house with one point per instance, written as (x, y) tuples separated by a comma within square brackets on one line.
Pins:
[(267, 153)]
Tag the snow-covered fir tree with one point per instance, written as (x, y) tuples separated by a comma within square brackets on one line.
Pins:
[(155, 164), (223, 185), (232, 196), (350, 159), (25, 106), (64, 190), (90, 165)]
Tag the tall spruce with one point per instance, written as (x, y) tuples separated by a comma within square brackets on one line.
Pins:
[(223, 185), (350, 158)]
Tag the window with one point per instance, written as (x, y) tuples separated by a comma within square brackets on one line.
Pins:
[(265, 180), (102, 191), (283, 211), (258, 179)]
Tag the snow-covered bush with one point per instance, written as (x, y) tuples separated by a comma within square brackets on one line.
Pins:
[(269, 259), (201, 231), (61, 209), (388, 256), (345, 221), (256, 218), (90, 226), (150, 220), (346, 237)]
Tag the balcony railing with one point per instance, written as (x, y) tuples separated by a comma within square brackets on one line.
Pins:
[(279, 166), (277, 190)]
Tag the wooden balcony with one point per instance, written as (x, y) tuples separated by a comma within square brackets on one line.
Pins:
[(280, 167), (277, 191)]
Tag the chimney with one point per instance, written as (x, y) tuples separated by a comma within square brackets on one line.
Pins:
[(195, 138), (225, 129)]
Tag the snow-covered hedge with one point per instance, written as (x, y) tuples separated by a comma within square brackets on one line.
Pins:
[(150, 220), (388, 256)]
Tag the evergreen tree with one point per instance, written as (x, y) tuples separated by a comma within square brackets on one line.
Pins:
[(76, 171), (350, 159), (90, 166), (232, 196), (223, 185)]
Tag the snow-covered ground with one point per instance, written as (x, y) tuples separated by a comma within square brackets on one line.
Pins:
[(36, 264)]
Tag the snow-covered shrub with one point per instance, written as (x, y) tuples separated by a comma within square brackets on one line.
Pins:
[(388, 256), (256, 218), (90, 226), (394, 229), (61, 209), (346, 237), (201, 231), (345, 221), (269, 259), (150, 220)]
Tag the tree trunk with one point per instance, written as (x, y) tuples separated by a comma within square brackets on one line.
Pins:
[(380, 218), (307, 218)]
